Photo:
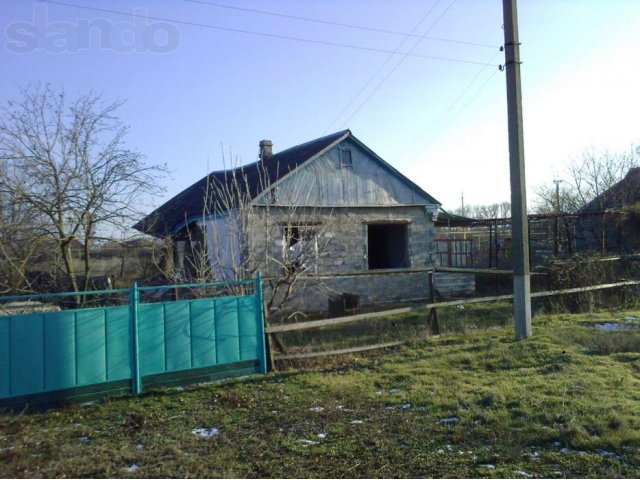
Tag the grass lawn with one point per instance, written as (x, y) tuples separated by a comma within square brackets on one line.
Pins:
[(565, 403)]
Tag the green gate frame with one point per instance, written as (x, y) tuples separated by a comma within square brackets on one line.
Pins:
[(78, 354)]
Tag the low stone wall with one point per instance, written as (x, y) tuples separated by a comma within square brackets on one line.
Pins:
[(455, 284), (313, 294)]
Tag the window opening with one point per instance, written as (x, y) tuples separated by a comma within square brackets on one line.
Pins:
[(346, 160), (300, 247), (387, 246)]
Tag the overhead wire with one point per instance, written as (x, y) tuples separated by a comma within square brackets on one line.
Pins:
[(460, 110), (255, 33), (381, 67), (337, 24), (404, 57)]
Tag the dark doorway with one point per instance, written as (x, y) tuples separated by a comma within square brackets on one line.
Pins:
[(387, 246)]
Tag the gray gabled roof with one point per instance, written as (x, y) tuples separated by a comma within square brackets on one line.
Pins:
[(624, 192), (248, 181)]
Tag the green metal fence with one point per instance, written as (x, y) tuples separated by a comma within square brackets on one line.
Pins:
[(82, 353)]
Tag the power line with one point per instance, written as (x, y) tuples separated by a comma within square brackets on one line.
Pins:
[(460, 110), (338, 24), (261, 34), (460, 96), (399, 63), (384, 64)]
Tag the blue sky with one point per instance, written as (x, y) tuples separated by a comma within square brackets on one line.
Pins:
[(442, 123)]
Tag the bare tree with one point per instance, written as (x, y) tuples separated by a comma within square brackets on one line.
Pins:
[(246, 226), (485, 212), (66, 162), (593, 187), (585, 181)]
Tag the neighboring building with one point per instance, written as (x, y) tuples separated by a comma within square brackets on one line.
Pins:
[(611, 221), (330, 209)]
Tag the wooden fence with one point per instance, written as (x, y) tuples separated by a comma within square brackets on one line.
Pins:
[(432, 320)]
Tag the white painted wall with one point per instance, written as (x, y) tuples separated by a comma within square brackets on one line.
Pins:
[(223, 244)]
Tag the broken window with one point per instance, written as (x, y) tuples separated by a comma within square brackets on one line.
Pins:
[(300, 247), (387, 246)]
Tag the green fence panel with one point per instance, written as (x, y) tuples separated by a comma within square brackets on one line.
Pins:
[(5, 362), (227, 339), (90, 346), (249, 329), (118, 343), (151, 338), (203, 333), (84, 348), (27, 354), (60, 350), (177, 336)]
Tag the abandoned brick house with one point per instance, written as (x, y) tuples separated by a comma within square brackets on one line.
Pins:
[(329, 209)]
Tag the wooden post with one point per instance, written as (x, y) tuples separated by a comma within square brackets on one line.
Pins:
[(433, 322), (431, 289)]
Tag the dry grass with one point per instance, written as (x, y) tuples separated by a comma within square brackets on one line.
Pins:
[(549, 406)]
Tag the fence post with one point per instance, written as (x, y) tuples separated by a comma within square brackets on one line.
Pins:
[(259, 308), (134, 299)]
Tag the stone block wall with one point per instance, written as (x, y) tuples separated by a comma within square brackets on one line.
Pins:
[(341, 265)]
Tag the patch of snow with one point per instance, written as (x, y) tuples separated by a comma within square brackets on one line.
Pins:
[(378, 392), (448, 421), (27, 306), (556, 444), (441, 451), (179, 389), (487, 465), (87, 404), (522, 473), (140, 447), (322, 435), (630, 318), (604, 453), (393, 390), (477, 422), (390, 407), (357, 422), (316, 409), (612, 327), (533, 456), (406, 406), (308, 443), (132, 468), (565, 450), (206, 432)]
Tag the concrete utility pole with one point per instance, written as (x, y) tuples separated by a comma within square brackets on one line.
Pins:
[(519, 228)]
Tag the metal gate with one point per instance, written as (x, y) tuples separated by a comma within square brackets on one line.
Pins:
[(89, 352)]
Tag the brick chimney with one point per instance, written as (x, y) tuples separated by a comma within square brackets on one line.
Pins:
[(266, 149)]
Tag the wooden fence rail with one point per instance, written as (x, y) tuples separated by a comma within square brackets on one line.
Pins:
[(274, 329)]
